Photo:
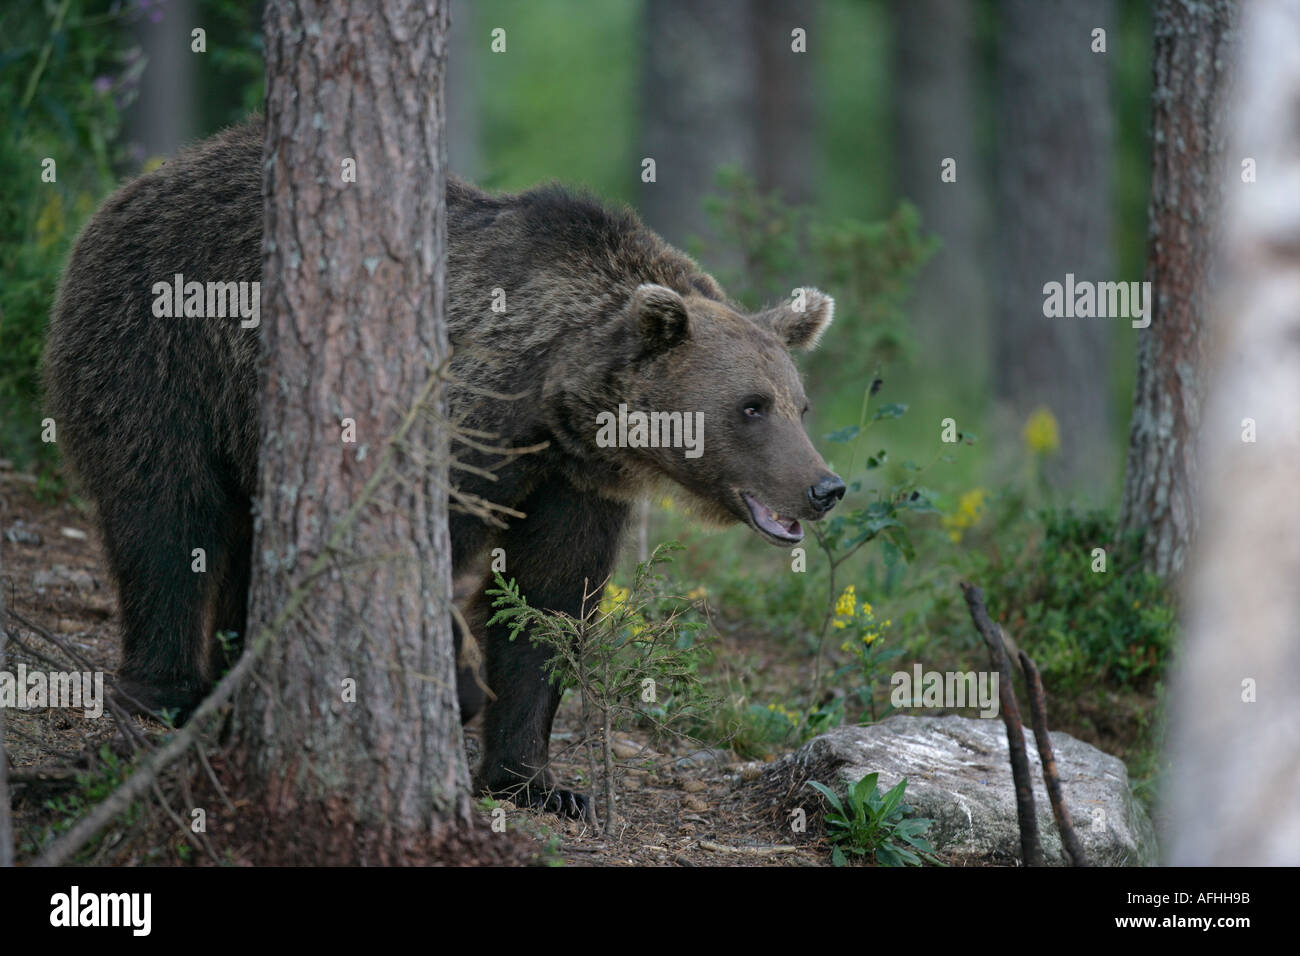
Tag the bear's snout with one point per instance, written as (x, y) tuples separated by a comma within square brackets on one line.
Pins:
[(823, 495)]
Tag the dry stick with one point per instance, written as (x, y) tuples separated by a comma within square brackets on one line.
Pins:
[(1038, 711), (131, 789), (750, 850), (212, 777), (198, 840), (1030, 848)]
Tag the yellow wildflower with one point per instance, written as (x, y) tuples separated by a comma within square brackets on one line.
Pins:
[(970, 508), (846, 604), (1041, 433), (613, 597)]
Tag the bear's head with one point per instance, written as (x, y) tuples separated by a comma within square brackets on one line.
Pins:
[(725, 386)]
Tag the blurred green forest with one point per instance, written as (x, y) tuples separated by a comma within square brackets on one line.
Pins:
[(562, 104), (568, 101)]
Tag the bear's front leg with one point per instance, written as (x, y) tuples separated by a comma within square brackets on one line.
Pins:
[(566, 543)]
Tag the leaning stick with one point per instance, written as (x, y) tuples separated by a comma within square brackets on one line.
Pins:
[(1030, 849), (1038, 710)]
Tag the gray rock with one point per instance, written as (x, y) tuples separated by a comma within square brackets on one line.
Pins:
[(959, 775), (19, 533), (704, 760), (61, 576)]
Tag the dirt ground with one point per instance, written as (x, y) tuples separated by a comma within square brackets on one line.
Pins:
[(678, 807)]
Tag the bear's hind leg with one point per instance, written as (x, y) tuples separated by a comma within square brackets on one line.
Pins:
[(166, 594)]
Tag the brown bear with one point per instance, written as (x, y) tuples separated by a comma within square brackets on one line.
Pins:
[(597, 321)]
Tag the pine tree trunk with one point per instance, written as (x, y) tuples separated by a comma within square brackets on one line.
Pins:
[(1192, 48), (1233, 792), (1053, 218), (353, 329)]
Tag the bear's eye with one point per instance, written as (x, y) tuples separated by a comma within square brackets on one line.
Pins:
[(754, 406)]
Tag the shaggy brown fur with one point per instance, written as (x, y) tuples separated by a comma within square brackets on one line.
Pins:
[(160, 415)]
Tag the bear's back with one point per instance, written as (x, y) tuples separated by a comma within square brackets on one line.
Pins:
[(558, 264)]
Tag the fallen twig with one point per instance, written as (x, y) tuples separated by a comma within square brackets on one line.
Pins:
[(748, 850)]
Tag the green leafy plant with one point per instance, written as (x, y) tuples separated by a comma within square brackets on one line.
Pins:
[(871, 266), (875, 826), (92, 788), (865, 644), (882, 516), (1081, 624), (633, 658)]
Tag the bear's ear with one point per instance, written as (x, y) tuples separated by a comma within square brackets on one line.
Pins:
[(800, 322), (659, 317)]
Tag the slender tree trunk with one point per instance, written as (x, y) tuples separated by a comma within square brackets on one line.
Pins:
[(786, 117), (698, 101), (1053, 218), (162, 119), (935, 112), (1233, 791), (355, 712), (1193, 42)]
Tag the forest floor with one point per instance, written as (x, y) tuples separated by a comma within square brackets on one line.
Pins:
[(676, 806)]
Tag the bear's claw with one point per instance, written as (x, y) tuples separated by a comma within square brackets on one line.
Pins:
[(565, 803)]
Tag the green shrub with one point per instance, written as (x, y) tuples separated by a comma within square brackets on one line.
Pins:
[(1081, 624), (65, 77), (875, 826)]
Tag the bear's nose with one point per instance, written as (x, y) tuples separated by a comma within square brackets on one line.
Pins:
[(826, 492)]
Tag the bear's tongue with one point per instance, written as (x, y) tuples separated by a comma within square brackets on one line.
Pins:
[(787, 529)]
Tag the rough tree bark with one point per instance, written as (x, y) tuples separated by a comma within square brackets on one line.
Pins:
[(1053, 217), (353, 329), (934, 119), (1192, 46), (1231, 794)]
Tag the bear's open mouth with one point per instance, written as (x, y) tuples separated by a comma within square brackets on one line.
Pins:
[(780, 530)]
